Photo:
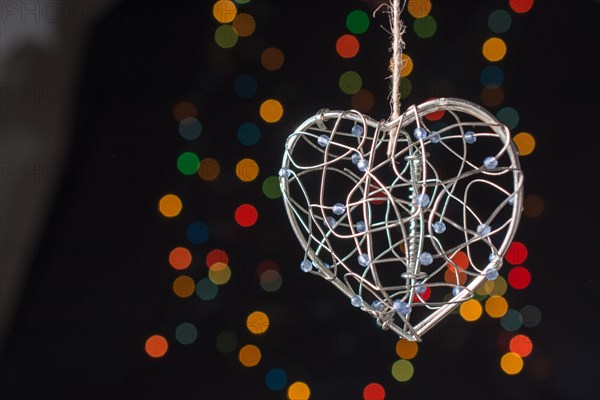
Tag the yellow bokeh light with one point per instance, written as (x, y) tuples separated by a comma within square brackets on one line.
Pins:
[(407, 65), (224, 11), (219, 273), (184, 286), (244, 25), (170, 205), (298, 391), (402, 370), (271, 111), (247, 170), (525, 143), (496, 306), (419, 8), (257, 322), (496, 287), (250, 355), (471, 310), (494, 49), (511, 363), (406, 349)]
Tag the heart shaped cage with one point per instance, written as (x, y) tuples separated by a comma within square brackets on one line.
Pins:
[(408, 218)]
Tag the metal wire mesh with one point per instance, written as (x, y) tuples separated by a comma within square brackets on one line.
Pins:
[(406, 217)]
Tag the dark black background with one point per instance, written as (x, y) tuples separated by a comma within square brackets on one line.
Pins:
[(101, 284)]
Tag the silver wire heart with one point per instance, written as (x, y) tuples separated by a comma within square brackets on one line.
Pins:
[(407, 217)]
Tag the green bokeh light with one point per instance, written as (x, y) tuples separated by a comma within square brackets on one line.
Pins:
[(226, 37), (425, 27), (186, 333), (270, 187), (350, 82), (188, 163), (358, 22)]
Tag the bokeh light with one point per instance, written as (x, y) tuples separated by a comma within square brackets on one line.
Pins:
[(494, 49), (516, 253), (374, 391), (206, 290), (460, 259), (190, 128), (499, 21), (363, 100), (492, 75), (224, 11), (406, 349), (246, 215), (248, 134), (402, 370), (257, 322), (519, 278), (407, 65), (496, 306), (298, 391), (521, 6), (450, 276), (358, 22), (347, 46), (216, 255), (170, 205), (245, 86), (184, 286), (249, 355), (405, 87), (496, 287), (272, 59), (246, 170), (219, 273), (471, 310), (531, 315), (226, 37), (209, 169), (525, 143), (511, 363), (270, 187), (270, 281), (276, 379), (350, 82), (511, 321), (156, 346), (492, 95), (521, 345), (533, 205), (226, 342), (184, 109), (186, 333), (509, 117), (425, 27), (188, 163), (419, 8), (197, 232), (180, 258), (244, 24), (271, 111)]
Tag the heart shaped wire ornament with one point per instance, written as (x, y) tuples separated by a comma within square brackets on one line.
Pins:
[(407, 217)]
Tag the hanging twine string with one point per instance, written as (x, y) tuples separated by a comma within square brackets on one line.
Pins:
[(398, 29)]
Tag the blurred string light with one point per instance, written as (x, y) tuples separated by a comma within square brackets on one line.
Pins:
[(492, 78), (233, 27)]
